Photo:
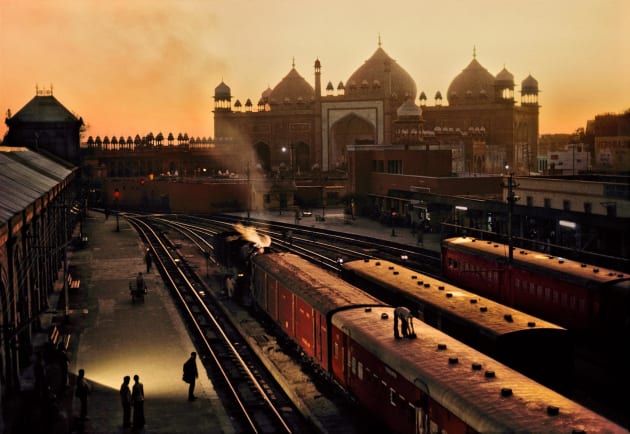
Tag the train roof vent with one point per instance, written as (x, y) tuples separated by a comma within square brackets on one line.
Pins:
[(453, 360), (449, 294), (552, 410), (391, 267), (560, 261), (441, 287), (414, 277), (427, 285), (595, 270), (508, 317), (473, 301), (578, 431), (489, 242), (619, 275), (366, 259), (473, 240), (476, 366), (396, 273), (420, 282), (441, 347), (483, 309), (506, 391), (495, 246), (531, 324), (523, 252), (550, 256), (369, 309), (611, 274), (384, 315), (378, 263), (489, 374)]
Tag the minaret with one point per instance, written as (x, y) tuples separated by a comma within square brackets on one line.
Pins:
[(318, 79)]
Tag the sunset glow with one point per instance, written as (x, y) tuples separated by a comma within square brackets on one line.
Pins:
[(145, 66)]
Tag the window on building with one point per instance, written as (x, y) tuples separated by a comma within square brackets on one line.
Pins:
[(394, 166), (611, 210), (378, 166), (588, 207), (547, 202), (566, 205), (530, 201)]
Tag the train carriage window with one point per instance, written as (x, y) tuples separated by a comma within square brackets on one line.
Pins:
[(360, 371), (547, 293), (336, 350), (532, 288), (354, 365), (582, 304), (540, 291), (392, 397), (556, 297), (564, 299), (572, 302)]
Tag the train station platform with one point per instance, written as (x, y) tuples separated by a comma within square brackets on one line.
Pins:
[(111, 337), (335, 220)]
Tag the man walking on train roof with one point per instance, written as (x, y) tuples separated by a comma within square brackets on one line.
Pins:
[(191, 375), (406, 322)]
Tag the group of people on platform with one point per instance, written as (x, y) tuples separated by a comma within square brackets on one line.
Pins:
[(132, 397)]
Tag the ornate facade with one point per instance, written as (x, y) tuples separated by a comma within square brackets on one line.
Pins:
[(304, 127)]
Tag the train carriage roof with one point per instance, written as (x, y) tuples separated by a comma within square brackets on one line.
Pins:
[(493, 398), (585, 274), (321, 289), (494, 318)]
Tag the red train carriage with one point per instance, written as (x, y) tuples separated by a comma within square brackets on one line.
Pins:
[(575, 295), (531, 345), (436, 384), (300, 297)]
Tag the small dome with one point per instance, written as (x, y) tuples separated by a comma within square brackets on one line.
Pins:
[(438, 95), (474, 78), (237, 103), (505, 77), (330, 86), (340, 86), (222, 91), (423, 96), (409, 109), (529, 85)]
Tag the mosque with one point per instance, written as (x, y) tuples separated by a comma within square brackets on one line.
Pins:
[(299, 125)]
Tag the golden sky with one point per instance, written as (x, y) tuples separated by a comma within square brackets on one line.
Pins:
[(137, 66)]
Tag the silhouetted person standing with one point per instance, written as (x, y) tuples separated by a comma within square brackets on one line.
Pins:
[(148, 259), (137, 399), (82, 391), (191, 375), (125, 400)]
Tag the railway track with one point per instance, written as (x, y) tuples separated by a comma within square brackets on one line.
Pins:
[(255, 401), (326, 254)]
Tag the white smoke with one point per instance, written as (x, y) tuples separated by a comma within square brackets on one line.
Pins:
[(250, 234)]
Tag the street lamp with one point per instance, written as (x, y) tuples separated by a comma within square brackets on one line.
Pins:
[(116, 197)]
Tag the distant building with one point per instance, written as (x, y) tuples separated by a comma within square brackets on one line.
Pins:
[(44, 124), (612, 142), (304, 127)]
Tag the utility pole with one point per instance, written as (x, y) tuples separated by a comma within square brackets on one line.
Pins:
[(511, 199)]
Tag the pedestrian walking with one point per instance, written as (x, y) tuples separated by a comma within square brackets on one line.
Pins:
[(82, 391), (125, 400), (191, 375), (148, 259), (137, 400)]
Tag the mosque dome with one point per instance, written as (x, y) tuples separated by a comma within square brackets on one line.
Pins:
[(409, 109), (504, 78), (222, 92), (374, 71), (474, 84), (529, 85), (291, 89)]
